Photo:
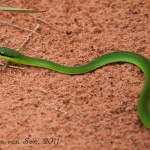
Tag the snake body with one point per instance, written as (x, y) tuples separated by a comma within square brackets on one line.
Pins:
[(120, 56)]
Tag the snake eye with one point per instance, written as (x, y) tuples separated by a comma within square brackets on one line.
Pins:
[(2, 54), (5, 54)]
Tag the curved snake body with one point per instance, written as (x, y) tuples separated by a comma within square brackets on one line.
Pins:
[(121, 56)]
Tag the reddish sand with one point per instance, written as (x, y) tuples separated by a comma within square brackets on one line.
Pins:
[(94, 111)]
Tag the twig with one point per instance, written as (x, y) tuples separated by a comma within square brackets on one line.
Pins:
[(60, 110), (44, 91), (2, 64), (28, 38), (6, 39), (15, 26), (42, 21)]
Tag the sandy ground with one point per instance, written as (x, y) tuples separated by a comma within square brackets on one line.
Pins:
[(45, 110)]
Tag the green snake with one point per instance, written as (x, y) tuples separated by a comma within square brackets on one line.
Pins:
[(120, 56)]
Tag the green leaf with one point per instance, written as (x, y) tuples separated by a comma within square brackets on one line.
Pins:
[(19, 9)]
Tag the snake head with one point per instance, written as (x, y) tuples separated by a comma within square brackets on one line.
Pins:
[(8, 53)]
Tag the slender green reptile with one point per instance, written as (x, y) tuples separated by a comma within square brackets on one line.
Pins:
[(130, 57)]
